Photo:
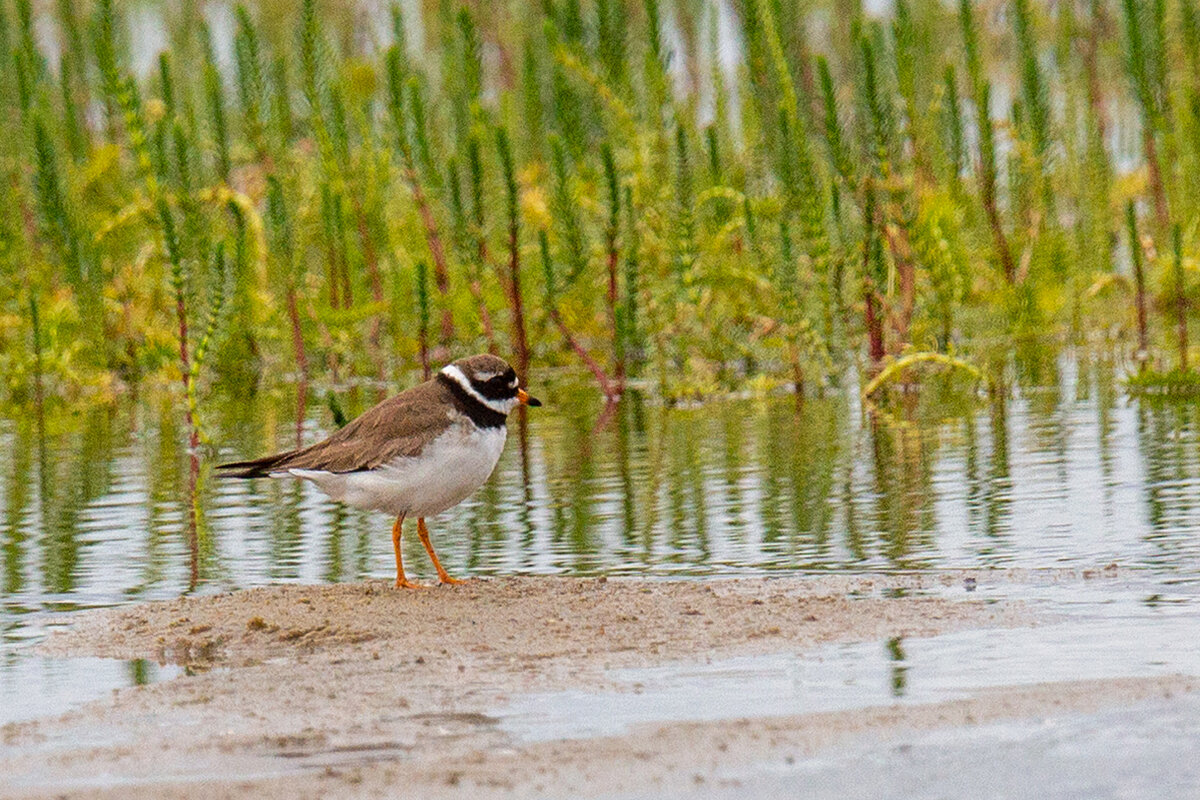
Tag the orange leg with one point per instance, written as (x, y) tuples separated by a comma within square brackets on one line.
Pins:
[(401, 581), (423, 532)]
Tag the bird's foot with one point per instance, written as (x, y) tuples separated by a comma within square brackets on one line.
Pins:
[(405, 583), (444, 578)]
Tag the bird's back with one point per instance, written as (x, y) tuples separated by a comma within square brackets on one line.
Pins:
[(401, 426)]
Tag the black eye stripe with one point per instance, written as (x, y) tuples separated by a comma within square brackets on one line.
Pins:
[(497, 388)]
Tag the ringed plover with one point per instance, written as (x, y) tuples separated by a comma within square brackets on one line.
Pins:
[(413, 455)]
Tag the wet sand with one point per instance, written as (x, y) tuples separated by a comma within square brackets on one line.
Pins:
[(360, 690)]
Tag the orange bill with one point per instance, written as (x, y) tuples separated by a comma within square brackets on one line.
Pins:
[(526, 399)]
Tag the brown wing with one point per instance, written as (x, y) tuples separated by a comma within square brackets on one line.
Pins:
[(399, 426)]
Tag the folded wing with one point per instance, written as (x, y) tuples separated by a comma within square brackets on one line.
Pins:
[(399, 426)]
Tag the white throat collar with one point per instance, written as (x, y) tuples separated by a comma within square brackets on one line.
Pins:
[(500, 406)]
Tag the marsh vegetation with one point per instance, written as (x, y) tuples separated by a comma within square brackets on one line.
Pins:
[(688, 196), (206, 202)]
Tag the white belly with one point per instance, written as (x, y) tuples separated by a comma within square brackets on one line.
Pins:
[(449, 469)]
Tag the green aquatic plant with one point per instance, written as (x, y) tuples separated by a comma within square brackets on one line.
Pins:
[(219, 128), (783, 215), (1179, 296), (251, 84), (981, 91), (898, 367), (516, 299), (403, 97), (612, 258), (1144, 62), (1135, 253), (283, 248), (1034, 97), (953, 133), (481, 257), (1174, 383), (549, 272)]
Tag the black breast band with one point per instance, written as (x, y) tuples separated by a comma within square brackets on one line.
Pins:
[(477, 412)]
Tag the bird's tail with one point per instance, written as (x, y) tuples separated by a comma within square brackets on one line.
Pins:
[(255, 468)]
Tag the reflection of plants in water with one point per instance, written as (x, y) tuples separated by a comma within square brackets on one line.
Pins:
[(903, 513), (1166, 436), (801, 453), (686, 467), (68, 486), (895, 652), (18, 499), (285, 535), (741, 484), (998, 495)]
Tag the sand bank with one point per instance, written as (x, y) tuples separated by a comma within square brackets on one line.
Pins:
[(355, 690)]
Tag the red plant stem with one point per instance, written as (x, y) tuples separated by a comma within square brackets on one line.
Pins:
[(371, 259), (618, 351), (872, 319), (301, 410), (874, 324), (987, 189), (797, 372), (606, 415), (184, 360), (1161, 213), (1090, 48), (297, 334), (610, 393), (902, 256)]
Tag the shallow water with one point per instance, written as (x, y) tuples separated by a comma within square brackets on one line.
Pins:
[(1149, 750), (1122, 637), (1060, 469)]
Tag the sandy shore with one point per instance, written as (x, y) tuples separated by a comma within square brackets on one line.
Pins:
[(355, 690)]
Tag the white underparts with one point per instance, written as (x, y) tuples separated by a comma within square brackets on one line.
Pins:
[(446, 472), (501, 406)]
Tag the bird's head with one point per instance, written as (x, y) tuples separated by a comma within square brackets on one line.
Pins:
[(490, 380)]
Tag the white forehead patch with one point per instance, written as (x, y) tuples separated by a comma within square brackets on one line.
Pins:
[(484, 377), (455, 374)]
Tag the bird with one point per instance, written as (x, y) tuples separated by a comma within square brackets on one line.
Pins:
[(416, 454)]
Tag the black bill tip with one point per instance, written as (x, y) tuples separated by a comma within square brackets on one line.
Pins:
[(526, 399)]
